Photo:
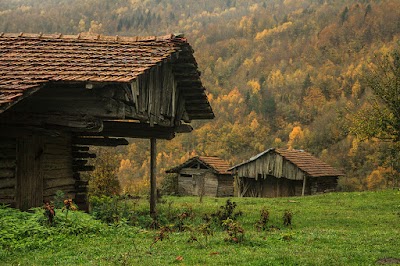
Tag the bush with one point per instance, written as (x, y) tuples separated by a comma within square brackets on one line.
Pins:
[(108, 209), (169, 185), (29, 231), (227, 211)]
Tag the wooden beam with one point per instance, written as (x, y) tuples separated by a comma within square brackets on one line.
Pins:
[(23, 131), (139, 130), (99, 141), (57, 121), (83, 155), (304, 186), (153, 182), (201, 116), (83, 168), (80, 148)]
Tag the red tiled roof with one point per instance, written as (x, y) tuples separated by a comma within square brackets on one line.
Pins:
[(28, 61), (303, 160), (215, 163), (308, 163)]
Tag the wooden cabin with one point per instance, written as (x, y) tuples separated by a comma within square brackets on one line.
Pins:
[(284, 173), (203, 175), (62, 94)]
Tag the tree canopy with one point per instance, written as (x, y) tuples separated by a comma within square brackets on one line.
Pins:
[(279, 74)]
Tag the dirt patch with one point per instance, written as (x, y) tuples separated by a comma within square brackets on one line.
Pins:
[(388, 261)]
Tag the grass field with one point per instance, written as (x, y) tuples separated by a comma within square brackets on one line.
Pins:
[(330, 229)]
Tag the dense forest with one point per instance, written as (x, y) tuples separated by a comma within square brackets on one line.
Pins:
[(279, 74)]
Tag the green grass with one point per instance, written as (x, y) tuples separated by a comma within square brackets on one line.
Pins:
[(328, 229)]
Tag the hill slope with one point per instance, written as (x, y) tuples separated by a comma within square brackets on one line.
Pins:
[(280, 73)]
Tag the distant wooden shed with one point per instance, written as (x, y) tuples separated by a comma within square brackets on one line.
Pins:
[(284, 173), (62, 94), (204, 175)]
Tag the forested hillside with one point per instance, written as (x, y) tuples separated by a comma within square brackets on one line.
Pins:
[(279, 74)]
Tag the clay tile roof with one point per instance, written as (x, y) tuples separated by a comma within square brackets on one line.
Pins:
[(305, 161), (29, 61), (218, 165), (308, 163)]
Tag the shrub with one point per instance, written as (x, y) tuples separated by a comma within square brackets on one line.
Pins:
[(29, 231), (226, 211), (264, 219), (287, 218), (169, 185), (234, 230), (109, 209)]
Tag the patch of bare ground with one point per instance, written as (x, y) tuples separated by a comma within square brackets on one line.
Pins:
[(388, 261)]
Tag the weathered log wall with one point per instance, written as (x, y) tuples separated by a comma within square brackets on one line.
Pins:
[(7, 171), (191, 182), (57, 167), (270, 186), (270, 164), (225, 186), (152, 97), (34, 168)]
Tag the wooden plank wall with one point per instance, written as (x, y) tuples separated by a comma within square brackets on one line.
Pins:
[(7, 171), (282, 187), (210, 184), (57, 167), (155, 97), (225, 186), (270, 164), (189, 182), (323, 185), (29, 171)]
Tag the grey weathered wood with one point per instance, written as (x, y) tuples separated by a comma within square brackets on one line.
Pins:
[(138, 130), (68, 189), (99, 141), (7, 173), (304, 186), (153, 181), (7, 193), (29, 174), (80, 148), (58, 182), (83, 168), (7, 153), (83, 155), (74, 123), (7, 183)]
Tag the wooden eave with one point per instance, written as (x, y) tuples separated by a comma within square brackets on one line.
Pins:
[(31, 62)]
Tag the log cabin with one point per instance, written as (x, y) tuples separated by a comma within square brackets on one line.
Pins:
[(204, 175), (284, 173), (62, 94)]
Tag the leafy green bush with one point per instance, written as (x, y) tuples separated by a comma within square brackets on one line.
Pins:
[(30, 230), (169, 185), (109, 209)]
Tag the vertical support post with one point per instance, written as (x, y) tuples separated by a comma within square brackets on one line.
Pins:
[(304, 186), (153, 183)]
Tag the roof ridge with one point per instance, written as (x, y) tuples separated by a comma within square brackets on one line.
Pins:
[(95, 37)]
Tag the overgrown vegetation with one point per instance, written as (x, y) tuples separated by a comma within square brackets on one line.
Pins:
[(324, 230)]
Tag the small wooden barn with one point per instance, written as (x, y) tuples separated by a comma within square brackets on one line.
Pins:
[(284, 173), (204, 175), (62, 94)]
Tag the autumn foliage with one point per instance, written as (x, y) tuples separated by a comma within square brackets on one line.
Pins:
[(278, 74)]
